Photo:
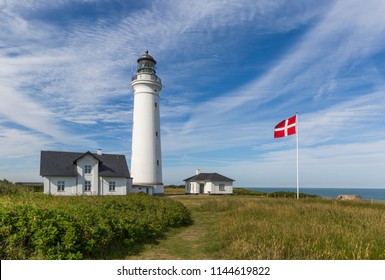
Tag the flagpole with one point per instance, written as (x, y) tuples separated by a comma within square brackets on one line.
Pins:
[(297, 132)]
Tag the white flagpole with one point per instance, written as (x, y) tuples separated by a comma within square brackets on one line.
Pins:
[(297, 132)]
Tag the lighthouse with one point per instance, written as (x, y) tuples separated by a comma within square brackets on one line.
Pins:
[(146, 158)]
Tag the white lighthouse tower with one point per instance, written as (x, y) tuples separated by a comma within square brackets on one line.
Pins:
[(146, 159)]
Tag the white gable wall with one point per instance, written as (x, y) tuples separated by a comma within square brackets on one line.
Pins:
[(92, 177)]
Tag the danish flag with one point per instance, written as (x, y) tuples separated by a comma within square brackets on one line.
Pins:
[(285, 127)]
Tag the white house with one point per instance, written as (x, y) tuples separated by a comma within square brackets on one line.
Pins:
[(208, 183), (68, 173)]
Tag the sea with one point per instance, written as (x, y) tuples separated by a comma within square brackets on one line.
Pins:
[(364, 193)]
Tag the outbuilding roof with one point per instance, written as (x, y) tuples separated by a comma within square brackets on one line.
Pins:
[(208, 177), (53, 163)]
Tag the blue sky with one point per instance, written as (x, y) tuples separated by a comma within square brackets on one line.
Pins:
[(231, 71)]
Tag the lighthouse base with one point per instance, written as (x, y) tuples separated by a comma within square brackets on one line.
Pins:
[(149, 189)]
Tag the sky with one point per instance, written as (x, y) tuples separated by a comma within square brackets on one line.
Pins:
[(231, 71)]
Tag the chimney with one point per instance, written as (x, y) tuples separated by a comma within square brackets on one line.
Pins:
[(99, 152), (198, 171)]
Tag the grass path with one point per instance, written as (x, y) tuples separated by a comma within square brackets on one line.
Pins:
[(198, 241)]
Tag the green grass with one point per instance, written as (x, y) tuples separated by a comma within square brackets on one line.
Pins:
[(252, 227), (198, 241), (305, 229), (240, 226), (174, 190)]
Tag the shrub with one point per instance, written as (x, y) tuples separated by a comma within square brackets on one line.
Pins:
[(8, 188), (241, 191), (290, 195), (37, 226)]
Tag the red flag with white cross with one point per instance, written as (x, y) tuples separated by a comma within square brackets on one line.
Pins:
[(286, 127)]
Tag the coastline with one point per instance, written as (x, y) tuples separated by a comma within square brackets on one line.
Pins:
[(369, 194)]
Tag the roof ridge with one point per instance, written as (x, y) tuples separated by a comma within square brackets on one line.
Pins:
[(58, 163), (213, 176)]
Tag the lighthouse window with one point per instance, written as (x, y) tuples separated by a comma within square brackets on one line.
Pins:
[(156, 105), (157, 162), (156, 134)]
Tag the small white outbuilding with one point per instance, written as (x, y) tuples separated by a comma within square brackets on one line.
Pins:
[(208, 183)]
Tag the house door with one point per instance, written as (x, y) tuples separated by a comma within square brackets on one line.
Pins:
[(201, 188)]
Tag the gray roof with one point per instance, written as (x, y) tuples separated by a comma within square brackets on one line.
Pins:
[(208, 177), (54, 163)]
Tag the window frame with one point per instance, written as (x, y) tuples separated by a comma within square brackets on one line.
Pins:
[(87, 186), (61, 185), (87, 169), (112, 186)]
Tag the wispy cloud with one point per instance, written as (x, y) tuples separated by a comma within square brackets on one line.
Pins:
[(330, 77), (231, 70), (321, 58)]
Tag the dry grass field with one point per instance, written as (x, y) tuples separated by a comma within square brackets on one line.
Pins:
[(249, 227)]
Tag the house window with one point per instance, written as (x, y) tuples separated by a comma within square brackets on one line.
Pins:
[(111, 186), (60, 186), (87, 186), (222, 187), (87, 169)]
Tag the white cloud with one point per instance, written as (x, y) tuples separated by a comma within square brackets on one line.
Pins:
[(28, 113), (345, 123), (63, 82), (82, 69), (321, 55)]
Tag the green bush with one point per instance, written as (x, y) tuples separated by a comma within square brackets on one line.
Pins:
[(291, 195), (37, 226), (8, 188), (241, 191)]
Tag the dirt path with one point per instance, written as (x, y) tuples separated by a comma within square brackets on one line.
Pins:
[(198, 241)]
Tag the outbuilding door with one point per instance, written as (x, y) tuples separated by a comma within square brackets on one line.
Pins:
[(201, 188)]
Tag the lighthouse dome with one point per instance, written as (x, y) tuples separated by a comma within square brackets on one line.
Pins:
[(146, 64), (146, 56)]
